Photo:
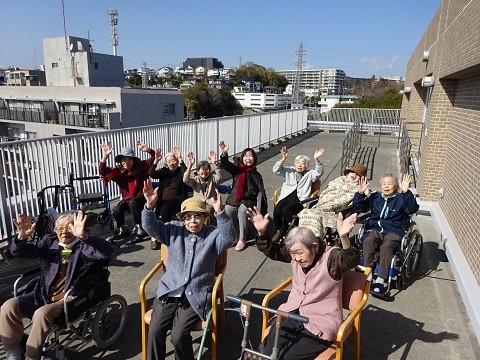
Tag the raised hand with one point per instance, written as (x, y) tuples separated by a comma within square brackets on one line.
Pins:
[(142, 147), (216, 202), (212, 157), (24, 226), (78, 226), (106, 150), (284, 152), (190, 159), (223, 147), (363, 186), (259, 221), (405, 183), (151, 195), (158, 155), (344, 226), (177, 153), (318, 154)]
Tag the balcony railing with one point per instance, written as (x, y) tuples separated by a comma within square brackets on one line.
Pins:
[(67, 118), (27, 166)]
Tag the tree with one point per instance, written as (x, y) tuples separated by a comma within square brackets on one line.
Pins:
[(134, 80), (255, 72), (205, 102)]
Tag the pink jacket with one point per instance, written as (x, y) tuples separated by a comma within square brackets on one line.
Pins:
[(318, 297)]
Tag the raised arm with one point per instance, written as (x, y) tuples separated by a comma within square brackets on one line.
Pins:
[(94, 249), (361, 203), (217, 173), (152, 170), (103, 169), (187, 178), (345, 258), (226, 230), (154, 227), (318, 165), (19, 246), (278, 168), (411, 205), (226, 163), (273, 250)]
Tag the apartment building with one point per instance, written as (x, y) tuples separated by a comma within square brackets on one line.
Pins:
[(263, 101), (25, 77), (326, 81)]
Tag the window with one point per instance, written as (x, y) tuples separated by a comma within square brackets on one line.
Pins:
[(55, 65), (96, 66), (169, 109)]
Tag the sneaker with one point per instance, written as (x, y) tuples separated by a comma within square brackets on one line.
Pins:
[(119, 234), (241, 245), (154, 244)]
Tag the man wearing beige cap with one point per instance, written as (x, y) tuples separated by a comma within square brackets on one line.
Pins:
[(193, 248)]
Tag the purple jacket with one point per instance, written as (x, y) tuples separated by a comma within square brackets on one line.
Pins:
[(86, 255)]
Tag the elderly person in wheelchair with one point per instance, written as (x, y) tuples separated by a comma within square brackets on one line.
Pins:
[(390, 209), (296, 188), (65, 256), (182, 293), (317, 272)]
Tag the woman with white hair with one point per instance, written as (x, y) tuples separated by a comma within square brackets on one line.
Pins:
[(317, 272), (296, 187)]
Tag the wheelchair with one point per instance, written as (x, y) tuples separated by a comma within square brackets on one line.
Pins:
[(405, 261), (91, 313)]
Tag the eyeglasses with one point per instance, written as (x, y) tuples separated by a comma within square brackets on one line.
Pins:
[(63, 228), (190, 217)]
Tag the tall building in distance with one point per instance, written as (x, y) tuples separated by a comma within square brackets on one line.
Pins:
[(326, 81), (71, 61), (205, 62)]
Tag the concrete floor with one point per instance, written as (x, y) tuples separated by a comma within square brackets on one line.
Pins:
[(425, 321)]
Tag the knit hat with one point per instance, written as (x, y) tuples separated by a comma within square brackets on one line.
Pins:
[(126, 152), (359, 169), (193, 204), (310, 220)]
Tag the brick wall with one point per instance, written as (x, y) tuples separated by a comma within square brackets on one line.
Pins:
[(450, 145)]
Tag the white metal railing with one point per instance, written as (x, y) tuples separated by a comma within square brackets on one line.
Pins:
[(341, 119), (27, 166)]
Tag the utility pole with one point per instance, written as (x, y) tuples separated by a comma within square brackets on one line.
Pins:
[(114, 22), (298, 74), (144, 75)]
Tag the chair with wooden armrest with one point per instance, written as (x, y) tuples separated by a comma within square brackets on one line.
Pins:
[(355, 290), (218, 301)]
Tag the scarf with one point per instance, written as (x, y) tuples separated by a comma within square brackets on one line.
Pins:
[(69, 245), (241, 179)]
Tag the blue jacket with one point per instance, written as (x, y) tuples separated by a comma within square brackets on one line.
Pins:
[(191, 258), (86, 254), (388, 214)]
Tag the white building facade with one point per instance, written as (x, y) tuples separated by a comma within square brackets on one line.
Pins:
[(263, 101)]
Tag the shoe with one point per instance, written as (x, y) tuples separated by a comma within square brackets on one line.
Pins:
[(241, 245), (378, 290), (154, 244), (119, 234)]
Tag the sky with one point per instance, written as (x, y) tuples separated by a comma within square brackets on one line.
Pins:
[(362, 37)]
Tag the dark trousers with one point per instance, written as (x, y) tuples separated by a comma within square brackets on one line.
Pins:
[(181, 319), (294, 342), (134, 206), (386, 244), (167, 209), (284, 211)]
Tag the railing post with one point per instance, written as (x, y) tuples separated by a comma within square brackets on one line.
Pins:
[(196, 139), (248, 132), (260, 132), (234, 134), (270, 129)]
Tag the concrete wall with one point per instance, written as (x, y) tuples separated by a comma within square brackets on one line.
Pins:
[(450, 140), (109, 71), (146, 107)]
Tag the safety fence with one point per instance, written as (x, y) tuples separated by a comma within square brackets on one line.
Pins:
[(341, 119), (350, 145), (27, 166)]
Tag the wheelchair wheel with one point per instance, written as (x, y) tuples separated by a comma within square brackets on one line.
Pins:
[(103, 217), (414, 254), (109, 322)]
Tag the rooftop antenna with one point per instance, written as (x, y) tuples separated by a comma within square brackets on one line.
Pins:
[(65, 27), (298, 73), (114, 22)]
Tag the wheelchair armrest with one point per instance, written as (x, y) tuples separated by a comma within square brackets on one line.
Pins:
[(363, 217), (22, 276), (65, 306)]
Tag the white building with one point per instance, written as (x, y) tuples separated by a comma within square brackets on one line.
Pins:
[(325, 81), (262, 101), (71, 62), (213, 72), (25, 77), (328, 102), (82, 105), (200, 71), (165, 72), (45, 111)]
